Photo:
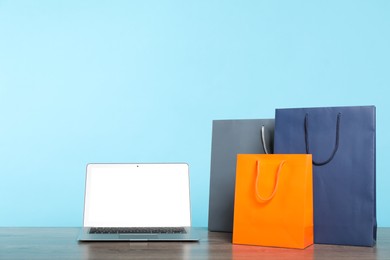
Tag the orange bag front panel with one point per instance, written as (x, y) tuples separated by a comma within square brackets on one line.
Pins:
[(273, 200)]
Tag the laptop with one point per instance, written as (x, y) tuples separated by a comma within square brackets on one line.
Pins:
[(137, 202)]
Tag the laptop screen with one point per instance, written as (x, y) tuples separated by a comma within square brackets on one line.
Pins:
[(137, 195)]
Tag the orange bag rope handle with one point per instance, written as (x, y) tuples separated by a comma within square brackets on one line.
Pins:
[(258, 196)]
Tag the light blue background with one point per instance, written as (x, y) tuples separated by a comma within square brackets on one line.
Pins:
[(141, 81)]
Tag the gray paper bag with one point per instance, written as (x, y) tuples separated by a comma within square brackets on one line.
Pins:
[(229, 138)]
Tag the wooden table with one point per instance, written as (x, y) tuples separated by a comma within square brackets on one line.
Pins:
[(61, 243)]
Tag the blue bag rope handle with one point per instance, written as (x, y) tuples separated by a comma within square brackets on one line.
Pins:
[(336, 146)]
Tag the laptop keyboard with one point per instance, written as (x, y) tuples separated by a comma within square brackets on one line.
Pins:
[(137, 230)]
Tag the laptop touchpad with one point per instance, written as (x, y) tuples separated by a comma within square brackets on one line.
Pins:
[(135, 237)]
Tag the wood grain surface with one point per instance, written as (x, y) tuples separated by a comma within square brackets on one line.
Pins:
[(61, 243)]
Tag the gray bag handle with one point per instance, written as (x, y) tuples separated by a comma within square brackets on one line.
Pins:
[(263, 140)]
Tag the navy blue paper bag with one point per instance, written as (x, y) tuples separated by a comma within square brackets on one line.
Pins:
[(342, 142)]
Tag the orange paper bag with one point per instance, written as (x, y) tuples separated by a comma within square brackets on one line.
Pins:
[(274, 200)]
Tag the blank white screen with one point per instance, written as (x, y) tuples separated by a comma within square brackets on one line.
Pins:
[(131, 195)]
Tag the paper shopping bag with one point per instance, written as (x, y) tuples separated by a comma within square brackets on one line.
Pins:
[(342, 142), (273, 200), (229, 138)]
